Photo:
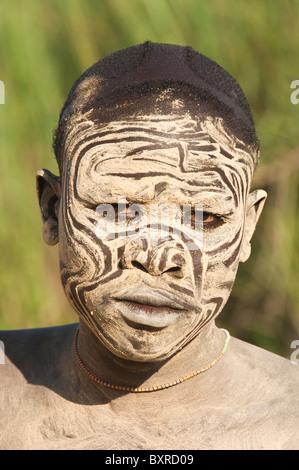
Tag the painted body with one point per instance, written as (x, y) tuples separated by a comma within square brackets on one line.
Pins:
[(158, 161), (147, 294), (249, 400)]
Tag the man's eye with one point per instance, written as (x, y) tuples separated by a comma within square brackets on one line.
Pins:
[(208, 220), (127, 211), (118, 211)]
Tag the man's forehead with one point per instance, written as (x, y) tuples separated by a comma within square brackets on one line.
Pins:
[(150, 182), (138, 159), (177, 159), (186, 143)]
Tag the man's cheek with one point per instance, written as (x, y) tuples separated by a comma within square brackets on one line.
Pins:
[(218, 283)]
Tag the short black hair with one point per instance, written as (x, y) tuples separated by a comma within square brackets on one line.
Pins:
[(128, 82)]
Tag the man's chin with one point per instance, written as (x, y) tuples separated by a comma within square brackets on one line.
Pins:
[(141, 347), (146, 336)]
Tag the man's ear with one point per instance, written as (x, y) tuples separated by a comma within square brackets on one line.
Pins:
[(255, 204), (48, 193)]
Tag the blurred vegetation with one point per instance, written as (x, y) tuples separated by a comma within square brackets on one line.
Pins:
[(46, 45)]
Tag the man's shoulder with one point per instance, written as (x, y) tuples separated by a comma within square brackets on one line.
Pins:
[(30, 376), (32, 333), (271, 376), (17, 339), (264, 362), (268, 386), (23, 351)]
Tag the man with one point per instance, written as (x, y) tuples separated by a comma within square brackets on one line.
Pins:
[(156, 149)]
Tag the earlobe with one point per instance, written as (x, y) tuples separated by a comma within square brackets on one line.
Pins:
[(48, 193), (255, 204)]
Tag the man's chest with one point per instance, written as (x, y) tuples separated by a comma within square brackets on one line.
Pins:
[(54, 423)]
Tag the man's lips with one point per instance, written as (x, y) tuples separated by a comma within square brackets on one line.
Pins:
[(149, 308), (154, 298), (148, 315)]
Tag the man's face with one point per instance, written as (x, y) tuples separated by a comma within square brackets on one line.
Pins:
[(144, 288)]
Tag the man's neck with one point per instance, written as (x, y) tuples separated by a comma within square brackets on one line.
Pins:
[(103, 364)]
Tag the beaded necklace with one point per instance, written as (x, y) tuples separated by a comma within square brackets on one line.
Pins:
[(148, 389)]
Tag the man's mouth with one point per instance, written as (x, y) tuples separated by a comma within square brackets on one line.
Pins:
[(149, 308)]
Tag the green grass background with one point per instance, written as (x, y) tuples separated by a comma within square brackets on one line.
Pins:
[(46, 44)]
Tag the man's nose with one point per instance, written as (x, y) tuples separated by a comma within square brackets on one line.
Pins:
[(162, 257)]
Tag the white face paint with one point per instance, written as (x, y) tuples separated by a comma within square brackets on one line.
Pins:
[(150, 295)]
